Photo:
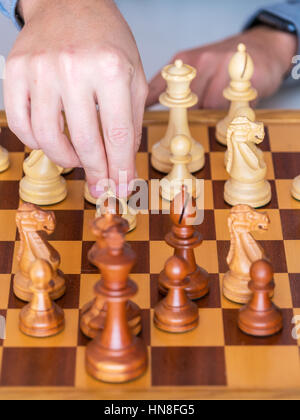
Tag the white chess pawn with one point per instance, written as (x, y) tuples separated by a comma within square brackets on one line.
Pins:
[(43, 184), (108, 202), (296, 188), (178, 98), (240, 92), (180, 175), (246, 165), (4, 159)]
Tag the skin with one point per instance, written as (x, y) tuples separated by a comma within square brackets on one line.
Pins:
[(271, 50), (45, 75), (71, 55)]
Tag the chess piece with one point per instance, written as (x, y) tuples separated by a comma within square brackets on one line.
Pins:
[(41, 318), (261, 318), (296, 188), (4, 159), (240, 92), (33, 225), (246, 166), (94, 314), (115, 355), (43, 184), (180, 175), (184, 238), (67, 171), (178, 98), (110, 202), (176, 313), (244, 251)]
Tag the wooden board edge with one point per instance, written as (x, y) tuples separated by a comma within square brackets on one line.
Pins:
[(156, 394), (209, 117)]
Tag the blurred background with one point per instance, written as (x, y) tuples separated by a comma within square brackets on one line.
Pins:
[(164, 27)]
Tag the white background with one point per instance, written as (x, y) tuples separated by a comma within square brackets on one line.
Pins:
[(164, 27)]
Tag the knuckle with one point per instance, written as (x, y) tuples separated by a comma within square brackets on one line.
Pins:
[(14, 65), (118, 136), (39, 62), (113, 64)]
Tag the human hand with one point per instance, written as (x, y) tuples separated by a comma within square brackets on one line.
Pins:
[(272, 52), (71, 55)]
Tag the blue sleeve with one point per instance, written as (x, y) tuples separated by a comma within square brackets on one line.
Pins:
[(290, 11), (8, 8)]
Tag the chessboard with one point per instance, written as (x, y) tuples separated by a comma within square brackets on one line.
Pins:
[(214, 361)]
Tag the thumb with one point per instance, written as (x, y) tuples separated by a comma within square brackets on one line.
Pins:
[(156, 87)]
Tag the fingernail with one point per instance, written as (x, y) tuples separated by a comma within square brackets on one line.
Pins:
[(123, 190), (96, 191)]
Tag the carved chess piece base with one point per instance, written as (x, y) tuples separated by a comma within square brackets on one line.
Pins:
[(116, 366), (236, 289), (161, 157), (260, 324), (255, 195), (4, 159), (42, 324), (93, 317), (296, 188), (22, 286), (198, 284), (43, 193)]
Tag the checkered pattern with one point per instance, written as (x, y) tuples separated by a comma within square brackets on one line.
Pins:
[(216, 354)]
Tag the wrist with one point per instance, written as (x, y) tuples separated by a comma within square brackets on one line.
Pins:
[(282, 45), (27, 8)]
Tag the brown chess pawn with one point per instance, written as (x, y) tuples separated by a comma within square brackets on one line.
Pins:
[(184, 238), (176, 313), (41, 318), (261, 318), (115, 355), (94, 313)]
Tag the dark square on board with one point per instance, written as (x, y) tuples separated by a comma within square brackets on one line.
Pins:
[(10, 142), (188, 366), (286, 165), (43, 367), (235, 337), (290, 221), (6, 257), (9, 195)]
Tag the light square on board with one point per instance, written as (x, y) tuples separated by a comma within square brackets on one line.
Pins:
[(5, 280), (142, 163), (15, 338), (75, 197), (209, 332), (8, 225), (285, 199), (262, 367), (292, 249), (285, 137), (206, 256), (70, 253), (15, 170)]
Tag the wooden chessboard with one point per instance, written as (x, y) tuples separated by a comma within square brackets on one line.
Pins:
[(215, 360)]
